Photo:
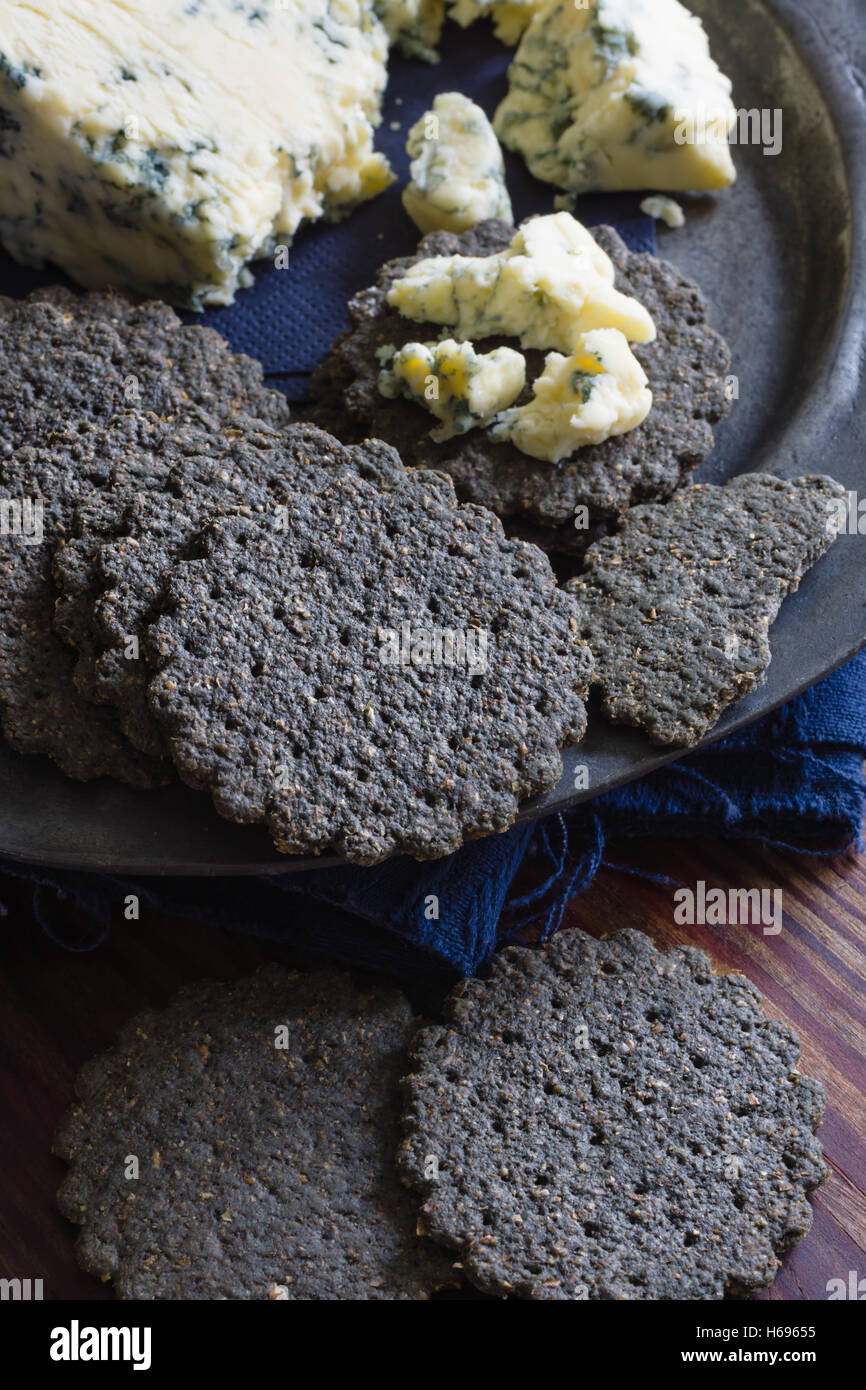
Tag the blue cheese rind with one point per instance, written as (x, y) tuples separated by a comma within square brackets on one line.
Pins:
[(619, 94), (597, 392), (162, 145), (461, 387), (457, 170)]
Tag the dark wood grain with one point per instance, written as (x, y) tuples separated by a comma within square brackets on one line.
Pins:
[(58, 1008)]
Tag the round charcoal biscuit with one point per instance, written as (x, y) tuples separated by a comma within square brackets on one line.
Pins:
[(383, 673), (264, 1118), (686, 366), (145, 519), (678, 604), (67, 358), (600, 1120), (85, 379)]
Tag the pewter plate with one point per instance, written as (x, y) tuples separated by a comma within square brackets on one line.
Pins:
[(781, 261)]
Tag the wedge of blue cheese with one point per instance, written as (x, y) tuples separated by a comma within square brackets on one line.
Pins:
[(164, 144), (461, 387), (552, 284), (457, 170), (619, 94), (599, 391)]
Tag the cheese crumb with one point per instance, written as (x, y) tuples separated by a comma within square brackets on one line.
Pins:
[(414, 25), (553, 283), (461, 387), (601, 390), (664, 210), (457, 170), (510, 17)]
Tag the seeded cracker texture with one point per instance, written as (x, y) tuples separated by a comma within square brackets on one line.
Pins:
[(266, 1158), (686, 367), (678, 605), (275, 697), (146, 518), (611, 1122), (83, 379)]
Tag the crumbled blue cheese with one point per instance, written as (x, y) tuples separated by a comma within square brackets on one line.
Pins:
[(551, 284), (510, 17), (164, 144), (458, 174), (461, 387), (664, 210), (599, 391), (619, 94), (414, 25)]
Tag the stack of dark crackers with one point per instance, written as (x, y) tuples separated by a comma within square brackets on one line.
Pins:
[(280, 561), (351, 642)]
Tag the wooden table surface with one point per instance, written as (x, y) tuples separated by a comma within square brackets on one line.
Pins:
[(58, 1008)]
